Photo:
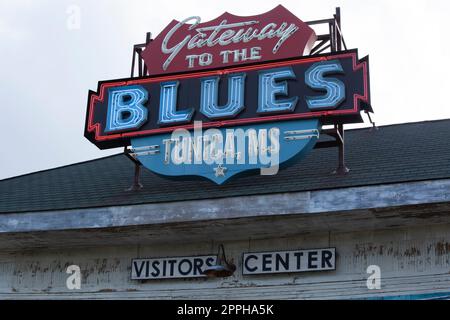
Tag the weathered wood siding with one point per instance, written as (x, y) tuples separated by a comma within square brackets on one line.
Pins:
[(412, 260)]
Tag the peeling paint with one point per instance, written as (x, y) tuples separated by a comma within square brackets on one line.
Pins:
[(442, 248), (411, 252), (411, 259)]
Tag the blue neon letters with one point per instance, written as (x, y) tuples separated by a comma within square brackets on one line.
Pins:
[(209, 97), (168, 104), (125, 108), (268, 89), (335, 88)]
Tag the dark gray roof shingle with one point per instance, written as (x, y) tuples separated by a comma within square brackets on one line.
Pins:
[(391, 154)]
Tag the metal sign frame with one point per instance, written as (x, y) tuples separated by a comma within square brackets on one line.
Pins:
[(332, 41)]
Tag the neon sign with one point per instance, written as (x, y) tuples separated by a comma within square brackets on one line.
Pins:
[(220, 122)]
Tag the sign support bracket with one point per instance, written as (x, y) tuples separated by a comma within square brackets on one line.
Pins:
[(334, 41), (142, 71), (137, 185), (339, 141)]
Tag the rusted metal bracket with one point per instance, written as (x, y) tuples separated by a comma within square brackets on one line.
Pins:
[(137, 185), (339, 141), (342, 168)]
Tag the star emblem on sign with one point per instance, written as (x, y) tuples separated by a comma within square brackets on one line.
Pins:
[(220, 171)]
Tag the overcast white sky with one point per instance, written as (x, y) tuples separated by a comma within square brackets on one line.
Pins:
[(47, 69)]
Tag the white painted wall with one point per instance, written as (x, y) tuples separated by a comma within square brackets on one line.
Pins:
[(413, 260)]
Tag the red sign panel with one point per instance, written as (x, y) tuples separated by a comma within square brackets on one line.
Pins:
[(191, 45)]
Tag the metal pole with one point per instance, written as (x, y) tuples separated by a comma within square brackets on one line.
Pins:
[(133, 62), (338, 29), (139, 50), (332, 37), (342, 169), (147, 41), (136, 181)]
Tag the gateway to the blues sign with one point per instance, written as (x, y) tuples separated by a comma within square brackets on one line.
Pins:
[(224, 97)]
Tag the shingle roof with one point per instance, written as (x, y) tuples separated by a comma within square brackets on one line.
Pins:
[(391, 154)]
